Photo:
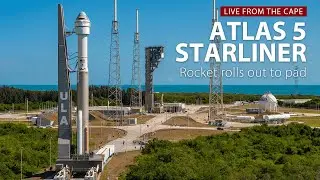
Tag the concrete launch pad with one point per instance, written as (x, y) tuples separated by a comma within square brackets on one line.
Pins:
[(81, 163)]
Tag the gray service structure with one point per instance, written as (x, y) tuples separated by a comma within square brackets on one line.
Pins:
[(64, 103)]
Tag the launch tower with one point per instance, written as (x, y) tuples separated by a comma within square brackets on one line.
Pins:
[(153, 58)]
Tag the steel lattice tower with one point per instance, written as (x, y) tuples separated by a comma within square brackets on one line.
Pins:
[(216, 88), (114, 89), (136, 95)]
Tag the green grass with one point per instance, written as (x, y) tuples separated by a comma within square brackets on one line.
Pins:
[(4, 121), (311, 121), (299, 110)]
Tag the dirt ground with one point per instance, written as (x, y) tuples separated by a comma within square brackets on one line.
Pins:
[(51, 116), (101, 136), (311, 121), (180, 134), (100, 120), (183, 121), (119, 164), (142, 119), (201, 115)]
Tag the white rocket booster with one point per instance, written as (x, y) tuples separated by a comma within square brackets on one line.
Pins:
[(82, 29), (79, 133)]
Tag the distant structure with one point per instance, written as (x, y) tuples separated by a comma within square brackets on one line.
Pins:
[(107, 111), (254, 111), (294, 101), (169, 107), (268, 102), (174, 107), (42, 122), (215, 85), (136, 94), (274, 118), (114, 88), (153, 58)]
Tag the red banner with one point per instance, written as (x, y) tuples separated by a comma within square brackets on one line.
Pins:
[(263, 11)]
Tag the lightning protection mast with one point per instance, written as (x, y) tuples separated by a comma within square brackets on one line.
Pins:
[(136, 95), (216, 88), (114, 89)]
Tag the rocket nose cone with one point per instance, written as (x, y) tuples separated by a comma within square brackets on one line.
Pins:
[(82, 15)]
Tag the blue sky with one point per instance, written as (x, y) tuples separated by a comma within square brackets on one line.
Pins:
[(29, 38)]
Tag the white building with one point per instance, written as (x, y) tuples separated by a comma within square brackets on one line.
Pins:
[(106, 152), (268, 103), (174, 107), (294, 101)]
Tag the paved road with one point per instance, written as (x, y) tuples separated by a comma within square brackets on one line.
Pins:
[(134, 132)]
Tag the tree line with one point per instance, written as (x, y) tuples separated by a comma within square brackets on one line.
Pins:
[(18, 97), (99, 97), (9, 95)]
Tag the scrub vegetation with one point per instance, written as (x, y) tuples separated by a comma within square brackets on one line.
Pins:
[(34, 143), (260, 152)]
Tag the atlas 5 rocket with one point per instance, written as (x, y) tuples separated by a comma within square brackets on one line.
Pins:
[(82, 29)]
